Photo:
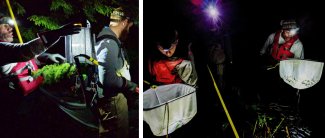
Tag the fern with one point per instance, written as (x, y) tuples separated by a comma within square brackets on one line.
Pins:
[(44, 21), (19, 8), (89, 12), (61, 4), (103, 9), (28, 33)]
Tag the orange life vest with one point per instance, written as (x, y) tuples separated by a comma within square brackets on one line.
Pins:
[(163, 71), (282, 52), (25, 81)]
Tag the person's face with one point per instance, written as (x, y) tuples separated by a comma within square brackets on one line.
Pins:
[(286, 34), (127, 25), (6, 33), (168, 52)]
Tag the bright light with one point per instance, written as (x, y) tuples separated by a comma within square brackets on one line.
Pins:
[(293, 31), (11, 22), (212, 11)]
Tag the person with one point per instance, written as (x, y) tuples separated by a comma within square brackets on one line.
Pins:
[(281, 45), (29, 50), (17, 62), (220, 56), (114, 75), (168, 67), (284, 43)]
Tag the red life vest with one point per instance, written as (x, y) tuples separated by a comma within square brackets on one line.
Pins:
[(282, 52), (162, 70), (25, 81)]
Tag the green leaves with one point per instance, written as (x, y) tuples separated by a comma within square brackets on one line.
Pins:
[(56, 72), (61, 4), (55, 13), (44, 21), (20, 9), (103, 9)]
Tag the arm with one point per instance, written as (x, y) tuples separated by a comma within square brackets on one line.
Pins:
[(23, 52), (298, 50), (267, 44), (109, 64), (12, 52)]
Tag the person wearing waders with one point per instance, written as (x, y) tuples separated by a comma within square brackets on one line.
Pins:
[(284, 44), (114, 75)]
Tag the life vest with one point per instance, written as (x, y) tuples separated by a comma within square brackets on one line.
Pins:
[(282, 52), (163, 71), (22, 72)]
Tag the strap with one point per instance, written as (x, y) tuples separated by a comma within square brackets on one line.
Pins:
[(112, 37), (108, 37)]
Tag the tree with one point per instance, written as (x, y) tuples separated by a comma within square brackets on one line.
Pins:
[(33, 15)]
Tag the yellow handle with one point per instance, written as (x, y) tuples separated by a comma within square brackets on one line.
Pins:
[(93, 61), (15, 23), (224, 106)]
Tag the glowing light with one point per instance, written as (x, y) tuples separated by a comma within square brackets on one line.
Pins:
[(11, 22), (213, 11), (293, 31)]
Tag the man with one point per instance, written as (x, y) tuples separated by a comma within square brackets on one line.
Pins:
[(16, 64), (14, 52), (169, 66), (285, 43), (114, 75), (18, 60), (282, 45)]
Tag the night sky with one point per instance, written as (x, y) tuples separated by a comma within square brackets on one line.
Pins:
[(247, 24)]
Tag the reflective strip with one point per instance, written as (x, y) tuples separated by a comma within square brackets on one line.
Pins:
[(124, 71), (27, 78), (29, 65), (19, 71)]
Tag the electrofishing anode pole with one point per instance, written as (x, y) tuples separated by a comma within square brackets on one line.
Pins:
[(15, 23), (224, 106)]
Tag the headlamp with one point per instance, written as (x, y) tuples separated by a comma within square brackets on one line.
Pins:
[(7, 20), (293, 31)]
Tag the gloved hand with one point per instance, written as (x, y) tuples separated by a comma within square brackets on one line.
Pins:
[(49, 38), (56, 58)]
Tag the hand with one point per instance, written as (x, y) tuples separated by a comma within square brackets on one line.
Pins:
[(49, 38), (56, 58), (137, 89), (69, 29)]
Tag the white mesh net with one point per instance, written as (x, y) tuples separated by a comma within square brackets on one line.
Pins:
[(301, 74), (168, 107)]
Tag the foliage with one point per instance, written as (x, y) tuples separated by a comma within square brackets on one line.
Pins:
[(16, 7), (60, 12), (61, 4), (28, 33), (44, 21), (19, 8), (56, 72)]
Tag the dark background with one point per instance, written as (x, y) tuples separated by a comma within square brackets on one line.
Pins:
[(247, 24)]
